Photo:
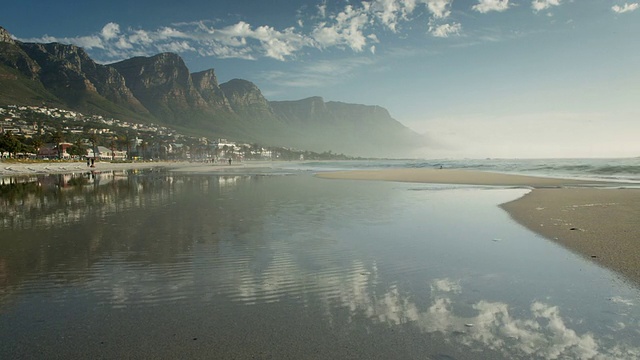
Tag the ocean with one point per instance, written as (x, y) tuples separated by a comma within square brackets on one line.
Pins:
[(281, 264), (620, 170)]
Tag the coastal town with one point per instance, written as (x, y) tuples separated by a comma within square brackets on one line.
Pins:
[(43, 133)]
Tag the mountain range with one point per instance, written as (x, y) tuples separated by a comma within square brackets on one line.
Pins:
[(161, 89)]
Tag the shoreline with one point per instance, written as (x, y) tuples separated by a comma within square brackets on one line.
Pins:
[(598, 224), (594, 219), (9, 169), (583, 216)]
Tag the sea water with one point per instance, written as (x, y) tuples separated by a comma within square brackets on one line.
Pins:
[(618, 169), (153, 264)]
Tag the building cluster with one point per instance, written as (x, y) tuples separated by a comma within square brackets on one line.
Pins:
[(146, 141), (30, 120)]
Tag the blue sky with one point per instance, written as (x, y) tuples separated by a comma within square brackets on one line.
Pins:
[(481, 78)]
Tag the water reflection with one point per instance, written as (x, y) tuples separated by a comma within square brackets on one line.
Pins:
[(385, 270)]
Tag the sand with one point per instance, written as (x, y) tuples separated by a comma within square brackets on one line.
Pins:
[(448, 176), (594, 219), (599, 223), (31, 168)]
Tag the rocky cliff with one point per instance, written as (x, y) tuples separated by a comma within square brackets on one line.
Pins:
[(163, 85), (206, 84), (161, 89), (69, 73)]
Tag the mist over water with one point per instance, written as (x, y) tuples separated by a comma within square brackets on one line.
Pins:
[(153, 264), (619, 169)]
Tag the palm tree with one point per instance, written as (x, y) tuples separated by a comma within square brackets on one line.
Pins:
[(112, 146), (37, 144), (144, 146), (57, 138), (124, 140), (93, 139)]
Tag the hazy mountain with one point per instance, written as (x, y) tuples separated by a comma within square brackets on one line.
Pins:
[(161, 89), (354, 129)]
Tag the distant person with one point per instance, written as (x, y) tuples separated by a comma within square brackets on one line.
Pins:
[(88, 162), (229, 161)]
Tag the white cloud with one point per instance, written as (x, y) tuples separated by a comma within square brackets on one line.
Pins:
[(176, 47), (345, 29), (322, 10), (319, 73), (445, 30), (87, 42), (439, 9), (485, 6), (391, 12), (110, 31), (140, 37), (627, 7), (122, 43), (539, 5)]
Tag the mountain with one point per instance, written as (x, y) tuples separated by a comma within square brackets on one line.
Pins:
[(352, 128), (207, 85), (161, 89), (163, 85)]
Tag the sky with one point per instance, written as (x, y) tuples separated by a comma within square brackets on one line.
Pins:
[(480, 78)]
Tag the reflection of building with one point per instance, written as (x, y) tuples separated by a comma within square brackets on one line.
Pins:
[(104, 153), (228, 180)]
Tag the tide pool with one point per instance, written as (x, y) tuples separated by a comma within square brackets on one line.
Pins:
[(150, 264)]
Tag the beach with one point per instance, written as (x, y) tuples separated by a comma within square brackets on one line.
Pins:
[(272, 259), (582, 215), (595, 222), (30, 168), (600, 224)]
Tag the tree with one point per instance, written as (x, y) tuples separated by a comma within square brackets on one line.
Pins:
[(77, 149), (57, 138), (93, 139), (112, 147), (144, 146), (10, 144), (125, 140), (37, 145)]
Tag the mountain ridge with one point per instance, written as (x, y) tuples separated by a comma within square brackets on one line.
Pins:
[(160, 88)]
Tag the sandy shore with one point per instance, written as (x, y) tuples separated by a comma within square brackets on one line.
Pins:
[(448, 176), (19, 168), (600, 224)]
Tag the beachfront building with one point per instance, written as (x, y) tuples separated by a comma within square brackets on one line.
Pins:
[(54, 151), (104, 153)]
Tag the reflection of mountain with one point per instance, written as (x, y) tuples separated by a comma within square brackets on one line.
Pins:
[(298, 262)]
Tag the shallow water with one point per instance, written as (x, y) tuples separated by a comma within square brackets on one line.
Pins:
[(153, 265)]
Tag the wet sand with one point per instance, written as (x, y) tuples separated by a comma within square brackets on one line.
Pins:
[(30, 168), (600, 224)]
